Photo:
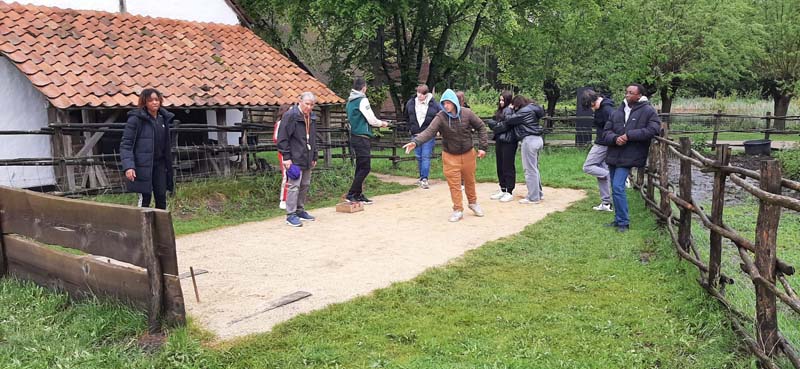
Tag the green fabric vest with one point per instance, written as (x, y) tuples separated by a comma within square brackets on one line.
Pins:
[(358, 123)]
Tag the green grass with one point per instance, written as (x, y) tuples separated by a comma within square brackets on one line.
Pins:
[(742, 218), (564, 293)]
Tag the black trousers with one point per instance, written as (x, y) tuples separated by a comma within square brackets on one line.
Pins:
[(159, 180), (360, 146), (506, 168)]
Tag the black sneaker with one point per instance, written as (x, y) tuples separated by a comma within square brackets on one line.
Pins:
[(351, 198), (364, 199), (612, 224), (622, 228)]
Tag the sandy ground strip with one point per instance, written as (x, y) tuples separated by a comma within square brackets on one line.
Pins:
[(340, 256)]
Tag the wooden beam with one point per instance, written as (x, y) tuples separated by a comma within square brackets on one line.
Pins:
[(154, 275), (84, 275), (717, 205), (326, 123), (100, 229), (685, 184)]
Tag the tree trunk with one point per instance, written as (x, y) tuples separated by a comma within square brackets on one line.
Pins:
[(552, 91), (782, 101), (666, 99)]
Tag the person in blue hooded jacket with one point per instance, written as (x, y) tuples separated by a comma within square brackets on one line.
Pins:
[(146, 150), (455, 124)]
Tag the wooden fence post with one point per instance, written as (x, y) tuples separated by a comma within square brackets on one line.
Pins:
[(766, 247), (717, 205), (651, 171), (768, 123), (663, 180), (326, 124), (222, 140), (716, 129), (154, 274), (685, 183)]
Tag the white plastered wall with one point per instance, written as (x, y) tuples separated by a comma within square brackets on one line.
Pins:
[(231, 116), (216, 11), (22, 107)]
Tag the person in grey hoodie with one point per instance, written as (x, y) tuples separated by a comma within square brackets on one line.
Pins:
[(455, 124), (595, 164)]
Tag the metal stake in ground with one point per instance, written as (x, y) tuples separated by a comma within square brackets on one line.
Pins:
[(194, 283)]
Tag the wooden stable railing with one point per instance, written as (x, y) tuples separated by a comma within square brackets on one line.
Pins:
[(141, 242), (763, 268)]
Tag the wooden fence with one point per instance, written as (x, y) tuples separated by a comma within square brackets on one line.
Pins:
[(141, 242), (767, 272)]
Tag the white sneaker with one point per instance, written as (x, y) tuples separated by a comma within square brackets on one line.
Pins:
[(497, 195), (282, 205), (456, 216), (476, 209), (506, 197), (525, 201), (628, 183), (603, 207), (424, 183)]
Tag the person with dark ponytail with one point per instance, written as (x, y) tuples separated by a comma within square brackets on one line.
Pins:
[(146, 150), (505, 143)]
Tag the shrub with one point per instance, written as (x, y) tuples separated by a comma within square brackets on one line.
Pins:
[(790, 163)]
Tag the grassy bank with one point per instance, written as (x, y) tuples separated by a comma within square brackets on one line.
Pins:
[(564, 293)]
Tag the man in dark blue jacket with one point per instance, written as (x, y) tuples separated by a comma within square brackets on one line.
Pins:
[(628, 134), (298, 145), (595, 164)]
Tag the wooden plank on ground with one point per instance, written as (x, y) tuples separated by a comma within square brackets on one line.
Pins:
[(100, 229), (285, 300), (84, 275)]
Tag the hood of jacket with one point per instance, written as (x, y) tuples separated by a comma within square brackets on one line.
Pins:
[(642, 101), (607, 101), (141, 113), (427, 101), (450, 96), (355, 95)]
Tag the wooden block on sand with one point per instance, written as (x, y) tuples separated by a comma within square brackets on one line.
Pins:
[(349, 207)]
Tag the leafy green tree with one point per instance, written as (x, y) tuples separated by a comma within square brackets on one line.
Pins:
[(779, 65), (666, 44), (386, 40)]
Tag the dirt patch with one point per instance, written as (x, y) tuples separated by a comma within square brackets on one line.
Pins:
[(216, 202), (703, 183), (340, 256)]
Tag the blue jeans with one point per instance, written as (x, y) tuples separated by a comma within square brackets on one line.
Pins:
[(424, 152), (618, 177)]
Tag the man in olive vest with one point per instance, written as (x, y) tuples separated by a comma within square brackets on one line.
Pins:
[(362, 119)]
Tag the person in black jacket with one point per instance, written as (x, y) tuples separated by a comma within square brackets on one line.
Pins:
[(628, 134), (145, 150), (420, 111), (505, 144), (595, 164), (298, 145), (525, 124)]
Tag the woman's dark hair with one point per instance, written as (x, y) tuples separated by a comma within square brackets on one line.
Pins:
[(520, 101), (282, 110), (507, 96), (588, 98), (145, 95), (462, 99)]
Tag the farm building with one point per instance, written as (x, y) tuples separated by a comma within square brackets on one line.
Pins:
[(87, 64)]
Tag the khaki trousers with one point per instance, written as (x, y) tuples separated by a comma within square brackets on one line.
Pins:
[(458, 168)]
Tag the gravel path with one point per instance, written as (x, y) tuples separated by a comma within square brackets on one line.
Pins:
[(339, 256)]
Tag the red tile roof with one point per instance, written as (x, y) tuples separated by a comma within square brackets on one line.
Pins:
[(99, 59)]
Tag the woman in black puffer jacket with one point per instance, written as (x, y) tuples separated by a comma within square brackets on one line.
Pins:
[(525, 122), (146, 150), (505, 143)]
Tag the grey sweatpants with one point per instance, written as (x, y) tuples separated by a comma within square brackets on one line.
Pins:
[(530, 161), (595, 165), (298, 190)]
